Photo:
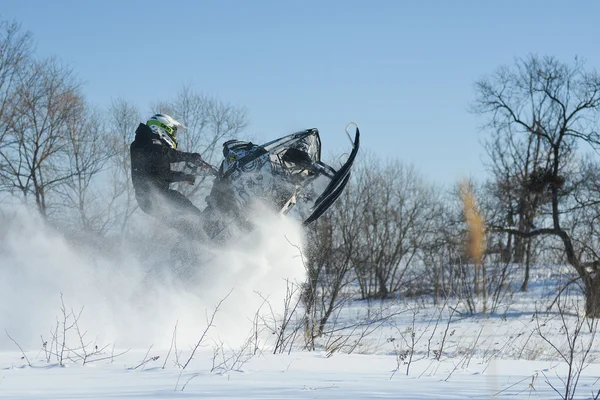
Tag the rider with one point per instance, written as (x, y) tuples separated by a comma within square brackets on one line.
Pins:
[(152, 152)]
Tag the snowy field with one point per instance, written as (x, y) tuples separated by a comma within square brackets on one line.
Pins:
[(294, 376), (111, 324)]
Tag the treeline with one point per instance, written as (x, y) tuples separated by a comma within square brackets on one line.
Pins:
[(392, 234)]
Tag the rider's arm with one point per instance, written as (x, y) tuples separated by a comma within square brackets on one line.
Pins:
[(174, 156), (178, 176)]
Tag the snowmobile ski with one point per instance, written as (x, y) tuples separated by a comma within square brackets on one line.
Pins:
[(337, 184)]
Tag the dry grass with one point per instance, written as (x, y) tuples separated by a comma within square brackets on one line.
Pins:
[(475, 241)]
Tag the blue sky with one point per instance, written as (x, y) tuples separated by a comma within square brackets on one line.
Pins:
[(403, 70)]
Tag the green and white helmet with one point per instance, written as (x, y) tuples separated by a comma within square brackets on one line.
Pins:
[(166, 127)]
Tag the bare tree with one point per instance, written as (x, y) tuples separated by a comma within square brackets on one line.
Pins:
[(333, 248), (123, 120), (513, 158), (15, 53), (451, 267), (397, 210), (446, 241), (88, 150), (45, 98), (460, 258), (545, 99), (586, 212)]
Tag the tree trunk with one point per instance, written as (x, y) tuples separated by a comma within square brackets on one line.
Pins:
[(383, 290), (527, 267), (519, 250), (592, 298), (507, 251), (476, 279)]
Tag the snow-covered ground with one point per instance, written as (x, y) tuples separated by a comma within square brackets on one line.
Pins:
[(294, 376), (112, 325)]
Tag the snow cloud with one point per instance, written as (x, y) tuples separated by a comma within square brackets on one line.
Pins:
[(133, 291)]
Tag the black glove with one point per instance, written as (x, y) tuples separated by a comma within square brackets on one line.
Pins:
[(196, 158)]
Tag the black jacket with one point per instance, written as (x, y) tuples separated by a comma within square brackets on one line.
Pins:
[(151, 162)]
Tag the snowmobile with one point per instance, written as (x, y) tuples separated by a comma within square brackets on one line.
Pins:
[(285, 174)]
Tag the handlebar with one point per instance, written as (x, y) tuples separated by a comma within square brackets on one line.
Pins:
[(207, 169)]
